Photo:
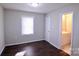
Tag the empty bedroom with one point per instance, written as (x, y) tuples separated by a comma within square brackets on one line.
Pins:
[(39, 29)]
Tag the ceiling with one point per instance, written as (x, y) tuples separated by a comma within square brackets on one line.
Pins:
[(42, 8)]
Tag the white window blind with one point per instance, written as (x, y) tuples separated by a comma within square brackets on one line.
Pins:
[(27, 25)]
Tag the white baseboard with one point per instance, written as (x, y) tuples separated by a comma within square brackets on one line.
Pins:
[(2, 50), (53, 45), (22, 42)]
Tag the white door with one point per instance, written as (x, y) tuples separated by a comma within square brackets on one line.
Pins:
[(48, 28)]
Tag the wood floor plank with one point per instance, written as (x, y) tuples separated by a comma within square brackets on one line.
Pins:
[(38, 48)]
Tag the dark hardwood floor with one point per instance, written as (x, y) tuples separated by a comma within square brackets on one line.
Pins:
[(39, 48)]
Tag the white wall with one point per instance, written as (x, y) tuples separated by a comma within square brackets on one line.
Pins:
[(13, 27), (1, 31), (55, 27), (53, 30)]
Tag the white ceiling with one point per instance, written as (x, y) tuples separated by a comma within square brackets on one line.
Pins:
[(42, 8)]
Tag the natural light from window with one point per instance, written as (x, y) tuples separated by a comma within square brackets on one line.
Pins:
[(27, 25)]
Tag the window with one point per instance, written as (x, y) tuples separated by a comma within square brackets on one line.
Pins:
[(27, 25)]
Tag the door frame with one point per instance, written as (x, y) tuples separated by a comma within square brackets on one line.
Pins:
[(61, 29)]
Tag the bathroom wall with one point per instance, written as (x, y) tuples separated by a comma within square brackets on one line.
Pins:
[(67, 23)]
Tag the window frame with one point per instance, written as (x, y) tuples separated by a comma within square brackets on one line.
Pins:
[(22, 25)]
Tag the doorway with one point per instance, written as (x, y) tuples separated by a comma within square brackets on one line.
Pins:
[(66, 33)]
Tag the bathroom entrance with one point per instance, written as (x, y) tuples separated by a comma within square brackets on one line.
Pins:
[(66, 32)]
